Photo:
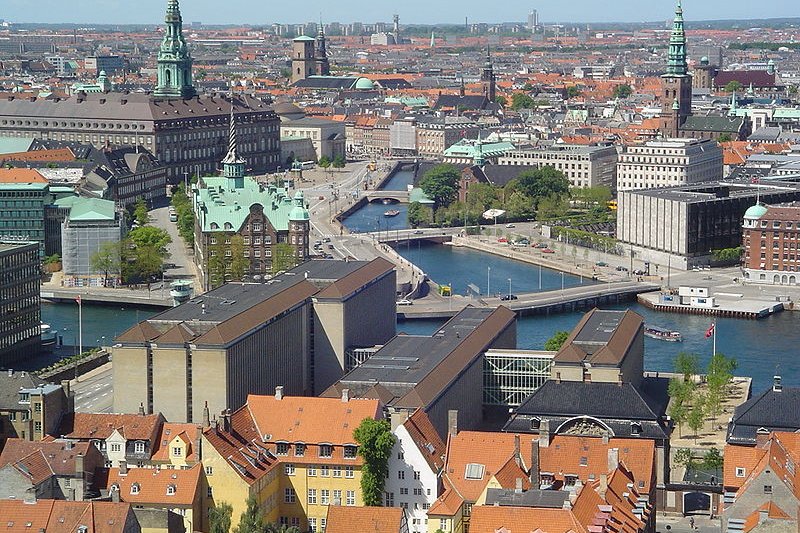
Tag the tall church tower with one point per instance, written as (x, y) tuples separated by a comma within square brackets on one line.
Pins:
[(233, 165), (321, 53), (174, 60), (676, 83), (303, 62), (488, 81)]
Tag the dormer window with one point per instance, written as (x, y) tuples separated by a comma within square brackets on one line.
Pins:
[(350, 452), (170, 490), (536, 422), (135, 488), (636, 428), (299, 450), (177, 451), (138, 446), (325, 450), (282, 448)]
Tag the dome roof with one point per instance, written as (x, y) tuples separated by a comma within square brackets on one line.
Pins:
[(364, 84), (755, 212)]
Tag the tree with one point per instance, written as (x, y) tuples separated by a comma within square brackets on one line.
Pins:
[(219, 518), (144, 252), (280, 528), (733, 86), (240, 265), (375, 441), (151, 236), (283, 257), (724, 138), (339, 162), (573, 91), (555, 342), (419, 215), (712, 460), (622, 91), (324, 161), (200, 74), (543, 182), (482, 196), (677, 412), (501, 100), (252, 519), (522, 101), (719, 374), (106, 259), (440, 184), (140, 214), (518, 205), (696, 415), (684, 458), (217, 266), (687, 364), (551, 207)]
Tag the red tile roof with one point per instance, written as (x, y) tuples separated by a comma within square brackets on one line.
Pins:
[(364, 519), (86, 426), (427, 439), (155, 485), (65, 516), (21, 175)]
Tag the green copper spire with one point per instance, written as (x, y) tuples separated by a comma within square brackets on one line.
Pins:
[(233, 165), (174, 60), (677, 46)]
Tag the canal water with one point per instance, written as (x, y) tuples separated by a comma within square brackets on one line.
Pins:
[(762, 348)]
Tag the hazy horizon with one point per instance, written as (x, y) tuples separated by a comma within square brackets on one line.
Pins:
[(368, 11)]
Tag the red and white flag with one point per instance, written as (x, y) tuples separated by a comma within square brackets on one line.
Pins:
[(710, 330), (78, 299)]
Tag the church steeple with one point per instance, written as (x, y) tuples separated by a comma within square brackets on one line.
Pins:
[(676, 65), (487, 77), (233, 165), (321, 53), (174, 60)]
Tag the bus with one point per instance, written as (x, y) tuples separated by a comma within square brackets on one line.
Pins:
[(307, 165)]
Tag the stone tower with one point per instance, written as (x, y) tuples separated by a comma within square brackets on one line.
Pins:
[(174, 60), (303, 61), (676, 83), (321, 53), (488, 81), (233, 165)]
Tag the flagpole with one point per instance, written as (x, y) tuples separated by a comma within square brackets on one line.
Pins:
[(80, 326), (715, 340)]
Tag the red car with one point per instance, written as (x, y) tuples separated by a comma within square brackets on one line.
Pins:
[(548, 251), (502, 239)]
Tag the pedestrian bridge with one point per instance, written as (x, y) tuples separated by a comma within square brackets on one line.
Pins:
[(392, 197)]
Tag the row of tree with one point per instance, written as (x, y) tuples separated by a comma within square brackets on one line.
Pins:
[(543, 193), (185, 213), (690, 403)]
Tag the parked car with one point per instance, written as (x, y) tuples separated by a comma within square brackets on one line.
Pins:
[(173, 217), (502, 239), (507, 297), (404, 302), (541, 245), (638, 272), (601, 264), (548, 251), (510, 226), (418, 232), (622, 269)]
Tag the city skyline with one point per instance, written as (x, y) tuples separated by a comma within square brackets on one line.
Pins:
[(412, 12)]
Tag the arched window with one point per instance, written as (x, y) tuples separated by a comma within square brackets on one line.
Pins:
[(168, 77)]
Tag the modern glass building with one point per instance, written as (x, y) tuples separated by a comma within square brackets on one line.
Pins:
[(510, 376)]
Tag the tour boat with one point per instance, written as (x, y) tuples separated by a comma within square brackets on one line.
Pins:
[(48, 336), (391, 213), (662, 334)]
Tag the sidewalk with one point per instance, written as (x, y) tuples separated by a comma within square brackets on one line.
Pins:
[(682, 524)]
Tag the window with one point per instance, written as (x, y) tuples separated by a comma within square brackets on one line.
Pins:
[(135, 488), (209, 470), (322, 524), (325, 450), (299, 450), (312, 496), (740, 471), (37, 426), (177, 451), (312, 525), (312, 470), (417, 492), (116, 447), (584, 461), (288, 469), (325, 497), (351, 497), (348, 472), (289, 496), (170, 490), (350, 452), (767, 489), (337, 471), (138, 447), (324, 471), (403, 491), (416, 475), (209, 492), (389, 498), (282, 448), (474, 471), (401, 474), (337, 497)]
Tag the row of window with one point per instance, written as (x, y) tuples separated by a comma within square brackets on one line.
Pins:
[(324, 470), (325, 450), (324, 497)]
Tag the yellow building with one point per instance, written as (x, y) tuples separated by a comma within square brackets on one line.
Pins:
[(295, 455)]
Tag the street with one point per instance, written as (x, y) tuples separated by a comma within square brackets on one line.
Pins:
[(180, 255), (93, 391)]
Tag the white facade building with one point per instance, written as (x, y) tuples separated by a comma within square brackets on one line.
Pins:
[(583, 166), (669, 163)]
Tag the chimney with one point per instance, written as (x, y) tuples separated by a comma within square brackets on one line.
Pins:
[(776, 384), (345, 395), (534, 472), (11, 372), (603, 487), (452, 422), (30, 496), (123, 468), (605, 437), (518, 486), (141, 409), (114, 494), (279, 392), (79, 468), (65, 386), (544, 433), (517, 456), (206, 417), (613, 459), (226, 420)]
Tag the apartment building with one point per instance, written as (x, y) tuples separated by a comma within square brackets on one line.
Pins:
[(583, 166), (771, 244), (20, 333), (669, 163)]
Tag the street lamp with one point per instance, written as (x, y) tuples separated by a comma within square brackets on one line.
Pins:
[(509, 289), (488, 275)]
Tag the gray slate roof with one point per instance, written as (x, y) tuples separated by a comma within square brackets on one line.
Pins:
[(772, 410)]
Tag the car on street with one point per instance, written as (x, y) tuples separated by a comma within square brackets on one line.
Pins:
[(404, 302), (638, 272), (601, 264), (507, 297), (418, 232), (173, 217), (548, 251), (510, 226), (502, 239), (541, 245), (621, 268)]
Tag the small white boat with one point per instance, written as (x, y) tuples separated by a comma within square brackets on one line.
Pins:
[(48, 336), (662, 334)]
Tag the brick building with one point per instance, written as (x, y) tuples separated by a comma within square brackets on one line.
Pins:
[(770, 239)]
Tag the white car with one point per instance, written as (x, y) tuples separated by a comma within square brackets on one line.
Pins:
[(404, 302), (510, 226)]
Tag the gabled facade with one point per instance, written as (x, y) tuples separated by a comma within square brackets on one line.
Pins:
[(30, 408)]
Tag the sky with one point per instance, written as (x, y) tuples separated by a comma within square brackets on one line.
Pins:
[(255, 12)]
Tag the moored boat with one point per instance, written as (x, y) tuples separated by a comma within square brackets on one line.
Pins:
[(48, 336), (391, 213)]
